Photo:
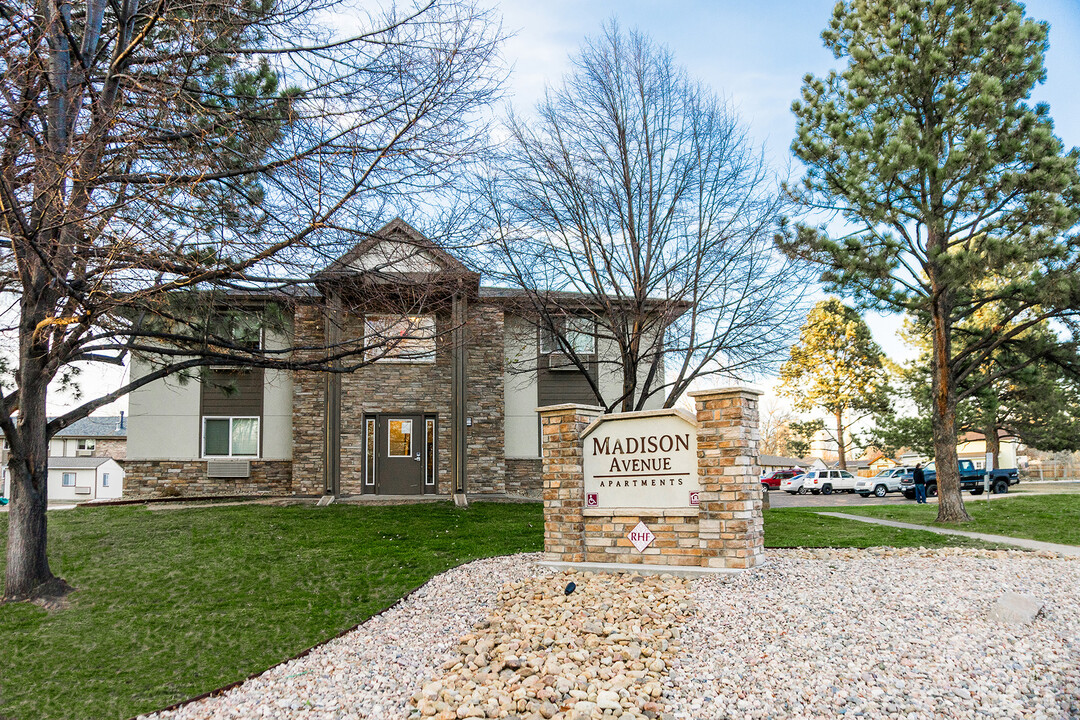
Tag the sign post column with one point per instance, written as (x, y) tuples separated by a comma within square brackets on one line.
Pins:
[(729, 506), (564, 480)]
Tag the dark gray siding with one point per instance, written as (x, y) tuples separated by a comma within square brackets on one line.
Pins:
[(555, 387), (232, 392)]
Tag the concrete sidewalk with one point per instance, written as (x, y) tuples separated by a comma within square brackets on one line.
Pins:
[(1071, 550)]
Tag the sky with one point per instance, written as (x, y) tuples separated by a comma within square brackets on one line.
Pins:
[(755, 54)]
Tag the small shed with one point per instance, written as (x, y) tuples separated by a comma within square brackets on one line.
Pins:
[(80, 479)]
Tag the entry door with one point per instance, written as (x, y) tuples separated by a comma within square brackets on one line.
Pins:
[(400, 449)]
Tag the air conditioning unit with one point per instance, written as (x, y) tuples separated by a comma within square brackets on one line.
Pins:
[(228, 468), (84, 453), (560, 362), (82, 491)]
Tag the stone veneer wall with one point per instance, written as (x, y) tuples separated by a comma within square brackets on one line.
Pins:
[(564, 480), (724, 531), (148, 478), (308, 403), (524, 475), (112, 448), (731, 524), (676, 531), (406, 387), (486, 440)]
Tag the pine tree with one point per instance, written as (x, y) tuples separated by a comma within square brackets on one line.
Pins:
[(836, 367), (926, 144)]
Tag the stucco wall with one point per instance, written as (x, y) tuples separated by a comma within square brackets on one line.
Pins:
[(164, 421), (520, 388), (163, 417)]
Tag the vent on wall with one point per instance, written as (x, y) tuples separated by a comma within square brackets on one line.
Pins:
[(228, 468)]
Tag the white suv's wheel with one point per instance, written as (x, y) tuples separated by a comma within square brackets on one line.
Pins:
[(881, 491)]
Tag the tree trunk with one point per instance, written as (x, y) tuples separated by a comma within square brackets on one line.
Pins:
[(27, 572), (841, 450), (943, 416), (993, 444)]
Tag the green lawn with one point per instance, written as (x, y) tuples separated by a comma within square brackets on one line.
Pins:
[(1050, 518), (802, 527), (170, 604)]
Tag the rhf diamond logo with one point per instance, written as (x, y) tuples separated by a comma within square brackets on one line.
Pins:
[(641, 536)]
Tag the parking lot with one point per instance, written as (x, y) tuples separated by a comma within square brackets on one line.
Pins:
[(778, 499)]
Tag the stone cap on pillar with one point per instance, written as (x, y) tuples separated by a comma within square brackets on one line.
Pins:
[(570, 406), (730, 390)]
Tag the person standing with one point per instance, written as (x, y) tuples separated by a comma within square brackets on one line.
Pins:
[(920, 484)]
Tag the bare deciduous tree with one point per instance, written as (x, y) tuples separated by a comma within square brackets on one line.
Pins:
[(774, 425), (160, 160), (636, 200)]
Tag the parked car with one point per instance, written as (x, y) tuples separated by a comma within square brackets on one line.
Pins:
[(884, 482), (794, 485), (773, 480), (827, 482), (972, 479)]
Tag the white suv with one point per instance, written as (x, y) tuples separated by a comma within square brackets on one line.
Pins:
[(883, 483), (828, 481)]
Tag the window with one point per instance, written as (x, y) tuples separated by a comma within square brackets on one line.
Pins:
[(241, 328), (68, 480), (399, 438), (230, 436), (429, 476), (105, 480), (401, 339), (577, 332), (369, 469), (85, 447)]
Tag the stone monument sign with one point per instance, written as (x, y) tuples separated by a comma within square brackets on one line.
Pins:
[(661, 490)]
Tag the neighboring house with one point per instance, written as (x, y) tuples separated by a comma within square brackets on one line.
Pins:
[(771, 463), (870, 464), (99, 437), (80, 479), (94, 436), (452, 409), (972, 446)]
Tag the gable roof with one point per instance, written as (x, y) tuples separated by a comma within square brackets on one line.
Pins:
[(775, 460), (76, 463), (95, 426), (403, 234)]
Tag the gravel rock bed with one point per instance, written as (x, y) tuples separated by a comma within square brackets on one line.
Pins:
[(374, 670), (882, 633), (878, 633), (575, 645)]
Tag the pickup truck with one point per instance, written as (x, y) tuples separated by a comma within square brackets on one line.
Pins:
[(972, 479)]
